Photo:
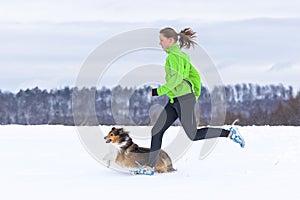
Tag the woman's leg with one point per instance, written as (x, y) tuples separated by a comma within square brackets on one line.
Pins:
[(164, 121), (207, 132), (185, 110)]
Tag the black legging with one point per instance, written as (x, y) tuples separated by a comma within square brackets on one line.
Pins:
[(183, 107)]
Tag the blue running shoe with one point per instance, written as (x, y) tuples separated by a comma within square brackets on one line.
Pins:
[(142, 170), (237, 137)]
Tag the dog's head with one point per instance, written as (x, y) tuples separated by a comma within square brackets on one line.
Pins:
[(117, 136)]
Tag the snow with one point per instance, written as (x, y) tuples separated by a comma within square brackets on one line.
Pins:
[(50, 162)]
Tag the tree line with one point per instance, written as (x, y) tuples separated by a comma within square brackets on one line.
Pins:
[(252, 104)]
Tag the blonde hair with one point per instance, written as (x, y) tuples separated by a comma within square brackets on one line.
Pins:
[(186, 36)]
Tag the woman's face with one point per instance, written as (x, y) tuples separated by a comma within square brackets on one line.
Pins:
[(165, 43)]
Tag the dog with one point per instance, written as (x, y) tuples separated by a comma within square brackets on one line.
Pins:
[(129, 152)]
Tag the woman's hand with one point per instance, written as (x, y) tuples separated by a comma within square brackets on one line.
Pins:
[(153, 92)]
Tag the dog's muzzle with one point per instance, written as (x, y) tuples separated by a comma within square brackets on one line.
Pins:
[(107, 141)]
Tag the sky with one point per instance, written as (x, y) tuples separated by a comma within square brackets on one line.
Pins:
[(45, 43)]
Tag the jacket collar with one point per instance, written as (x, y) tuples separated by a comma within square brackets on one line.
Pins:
[(173, 48)]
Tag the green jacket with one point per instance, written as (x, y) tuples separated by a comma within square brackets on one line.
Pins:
[(179, 70)]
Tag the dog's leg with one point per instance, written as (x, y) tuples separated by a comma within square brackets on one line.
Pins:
[(109, 156)]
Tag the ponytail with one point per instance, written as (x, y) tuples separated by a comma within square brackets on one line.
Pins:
[(186, 36)]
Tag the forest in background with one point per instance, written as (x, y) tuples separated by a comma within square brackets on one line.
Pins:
[(252, 104)]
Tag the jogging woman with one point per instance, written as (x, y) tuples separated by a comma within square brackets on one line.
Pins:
[(183, 87)]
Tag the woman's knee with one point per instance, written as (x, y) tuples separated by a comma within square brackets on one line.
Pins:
[(191, 133)]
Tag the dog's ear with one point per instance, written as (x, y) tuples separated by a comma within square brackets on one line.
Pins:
[(123, 132), (120, 131), (113, 128)]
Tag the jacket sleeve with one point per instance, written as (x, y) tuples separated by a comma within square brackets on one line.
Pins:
[(196, 81), (174, 75)]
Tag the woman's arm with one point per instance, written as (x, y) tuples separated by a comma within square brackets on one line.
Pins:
[(174, 74)]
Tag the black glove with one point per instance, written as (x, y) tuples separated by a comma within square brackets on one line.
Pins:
[(154, 92)]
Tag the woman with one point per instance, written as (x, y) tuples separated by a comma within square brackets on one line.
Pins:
[(183, 87)]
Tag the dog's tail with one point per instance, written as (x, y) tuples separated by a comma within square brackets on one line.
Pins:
[(167, 161), (171, 168)]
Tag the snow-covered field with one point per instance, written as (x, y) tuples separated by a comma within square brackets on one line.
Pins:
[(49, 162)]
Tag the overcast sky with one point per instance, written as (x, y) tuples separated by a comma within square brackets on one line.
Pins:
[(145, 10), (44, 43)]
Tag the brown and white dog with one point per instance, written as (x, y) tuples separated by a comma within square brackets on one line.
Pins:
[(129, 152)]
